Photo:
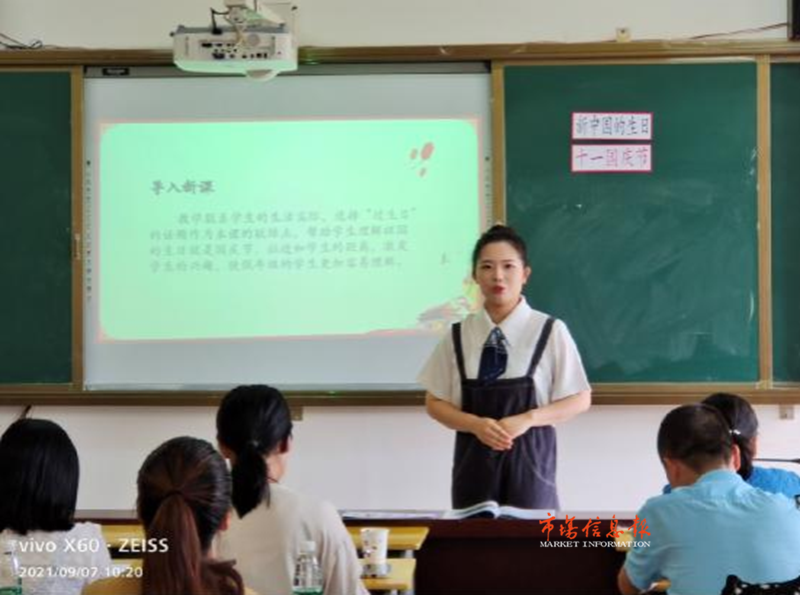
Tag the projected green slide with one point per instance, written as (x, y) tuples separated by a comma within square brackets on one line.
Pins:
[(286, 228)]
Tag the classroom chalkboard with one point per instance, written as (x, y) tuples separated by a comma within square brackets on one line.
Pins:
[(654, 273), (35, 242), (785, 99)]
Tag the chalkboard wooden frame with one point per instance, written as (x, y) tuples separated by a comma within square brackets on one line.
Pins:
[(766, 52), (786, 363)]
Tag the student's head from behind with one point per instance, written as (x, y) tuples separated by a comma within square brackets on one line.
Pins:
[(39, 475), (254, 428), (500, 266), (184, 497), (693, 440), (743, 424)]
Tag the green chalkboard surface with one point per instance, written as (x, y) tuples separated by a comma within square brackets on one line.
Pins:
[(785, 110), (35, 228), (654, 273)]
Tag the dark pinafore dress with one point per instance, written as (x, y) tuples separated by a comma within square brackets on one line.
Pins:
[(524, 476)]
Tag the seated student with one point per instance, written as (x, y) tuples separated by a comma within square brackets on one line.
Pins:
[(742, 420), (184, 499), (254, 429), (39, 474), (713, 523), (743, 423)]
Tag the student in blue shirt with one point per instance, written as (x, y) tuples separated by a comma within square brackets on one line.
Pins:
[(743, 425), (713, 524)]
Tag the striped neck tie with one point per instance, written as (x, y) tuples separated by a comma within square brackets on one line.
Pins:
[(494, 357)]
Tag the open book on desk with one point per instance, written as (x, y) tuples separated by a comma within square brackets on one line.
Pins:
[(493, 510)]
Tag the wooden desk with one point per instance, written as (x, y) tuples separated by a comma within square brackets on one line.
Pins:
[(624, 540), (487, 557), (401, 539), (117, 536), (106, 517), (623, 545), (401, 577), (127, 583)]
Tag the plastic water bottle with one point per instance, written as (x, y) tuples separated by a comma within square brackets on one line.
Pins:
[(307, 573), (10, 578)]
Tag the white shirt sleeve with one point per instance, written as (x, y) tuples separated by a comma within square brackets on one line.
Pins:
[(568, 375), (440, 375)]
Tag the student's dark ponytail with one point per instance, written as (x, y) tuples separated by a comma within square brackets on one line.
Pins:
[(743, 425), (253, 422), (250, 484), (176, 570)]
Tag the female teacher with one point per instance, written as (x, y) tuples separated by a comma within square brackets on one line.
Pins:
[(501, 379)]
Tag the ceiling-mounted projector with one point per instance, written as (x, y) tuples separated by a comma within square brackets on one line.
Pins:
[(254, 43)]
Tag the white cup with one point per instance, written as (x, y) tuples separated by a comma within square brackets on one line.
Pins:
[(375, 544)]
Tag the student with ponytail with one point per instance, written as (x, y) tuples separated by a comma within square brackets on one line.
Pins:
[(743, 426), (742, 420), (254, 431), (713, 524), (184, 500)]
